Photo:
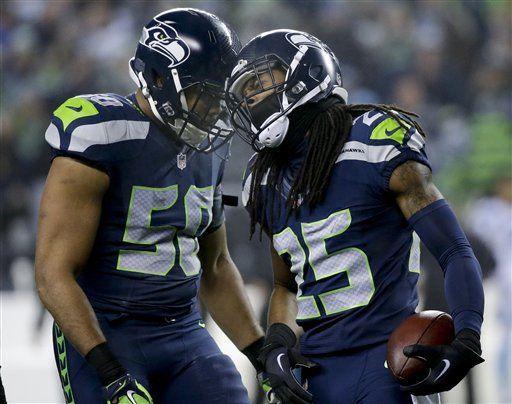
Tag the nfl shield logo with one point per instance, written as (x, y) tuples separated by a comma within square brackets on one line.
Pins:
[(181, 161)]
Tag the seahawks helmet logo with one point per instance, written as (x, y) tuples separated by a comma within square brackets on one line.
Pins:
[(164, 39), (298, 39)]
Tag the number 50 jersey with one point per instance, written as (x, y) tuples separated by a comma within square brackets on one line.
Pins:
[(354, 256), (144, 259)]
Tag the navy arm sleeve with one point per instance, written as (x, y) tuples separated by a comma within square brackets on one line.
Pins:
[(438, 228)]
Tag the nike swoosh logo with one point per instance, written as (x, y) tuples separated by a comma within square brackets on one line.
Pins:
[(76, 109), (279, 361), (130, 394), (447, 365), (390, 132)]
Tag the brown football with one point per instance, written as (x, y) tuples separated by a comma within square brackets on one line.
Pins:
[(429, 327)]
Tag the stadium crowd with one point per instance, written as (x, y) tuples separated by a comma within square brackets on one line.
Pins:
[(448, 61)]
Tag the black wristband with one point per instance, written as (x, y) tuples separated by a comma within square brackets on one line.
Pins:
[(280, 334), (252, 351), (470, 339), (105, 363)]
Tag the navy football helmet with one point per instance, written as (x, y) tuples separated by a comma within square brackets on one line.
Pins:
[(259, 103), (181, 63)]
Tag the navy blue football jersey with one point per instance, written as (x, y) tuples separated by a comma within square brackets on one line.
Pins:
[(354, 256), (160, 200)]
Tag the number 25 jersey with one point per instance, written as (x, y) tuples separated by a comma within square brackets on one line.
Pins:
[(354, 256), (144, 259)]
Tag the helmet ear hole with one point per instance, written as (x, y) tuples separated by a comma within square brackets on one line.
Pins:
[(157, 79), (159, 82)]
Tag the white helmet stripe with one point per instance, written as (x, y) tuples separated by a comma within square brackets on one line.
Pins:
[(293, 65)]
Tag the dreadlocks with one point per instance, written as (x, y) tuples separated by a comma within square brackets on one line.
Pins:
[(328, 126)]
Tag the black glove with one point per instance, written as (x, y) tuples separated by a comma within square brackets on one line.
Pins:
[(252, 351), (448, 364), (279, 357), (119, 386), (127, 390)]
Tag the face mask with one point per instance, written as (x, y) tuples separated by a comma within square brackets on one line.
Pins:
[(193, 136), (264, 109)]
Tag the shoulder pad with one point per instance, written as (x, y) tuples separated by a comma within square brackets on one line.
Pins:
[(377, 137), (382, 128), (98, 119)]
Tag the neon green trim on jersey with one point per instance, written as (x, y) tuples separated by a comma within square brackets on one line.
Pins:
[(389, 129), (193, 228), (73, 109), (316, 314), (363, 302), (305, 226), (62, 365), (133, 210)]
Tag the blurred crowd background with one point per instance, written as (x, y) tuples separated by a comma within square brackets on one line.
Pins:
[(449, 61)]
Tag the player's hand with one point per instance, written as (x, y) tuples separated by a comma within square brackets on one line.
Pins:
[(448, 364), (279, 359), (127, 390)]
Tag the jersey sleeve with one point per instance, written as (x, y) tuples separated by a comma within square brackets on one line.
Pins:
[(388, 145), (218, 216), (87, 127)]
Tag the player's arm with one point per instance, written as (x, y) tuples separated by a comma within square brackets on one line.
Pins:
[(435, 223), (279, 356), (222, 291), (283, 303), (68, 220)]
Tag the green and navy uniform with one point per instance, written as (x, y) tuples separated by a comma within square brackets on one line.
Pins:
[(355, 259), (143, 273)]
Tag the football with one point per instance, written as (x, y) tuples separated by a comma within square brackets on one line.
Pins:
[(429, 327)]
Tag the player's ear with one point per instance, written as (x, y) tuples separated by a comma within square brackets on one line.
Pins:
[(159, 80)]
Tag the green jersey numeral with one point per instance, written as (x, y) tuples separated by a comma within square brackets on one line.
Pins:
[(166, 238), (353, 261)]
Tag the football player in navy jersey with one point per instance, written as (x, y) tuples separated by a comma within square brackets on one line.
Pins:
[(131, 224), (345, 193)]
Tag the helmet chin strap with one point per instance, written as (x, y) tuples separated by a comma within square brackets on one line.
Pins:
[(147, 96), (274, 134), (141, 83)]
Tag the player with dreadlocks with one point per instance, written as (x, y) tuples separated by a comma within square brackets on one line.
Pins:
[(343, 191), (328, 124)]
